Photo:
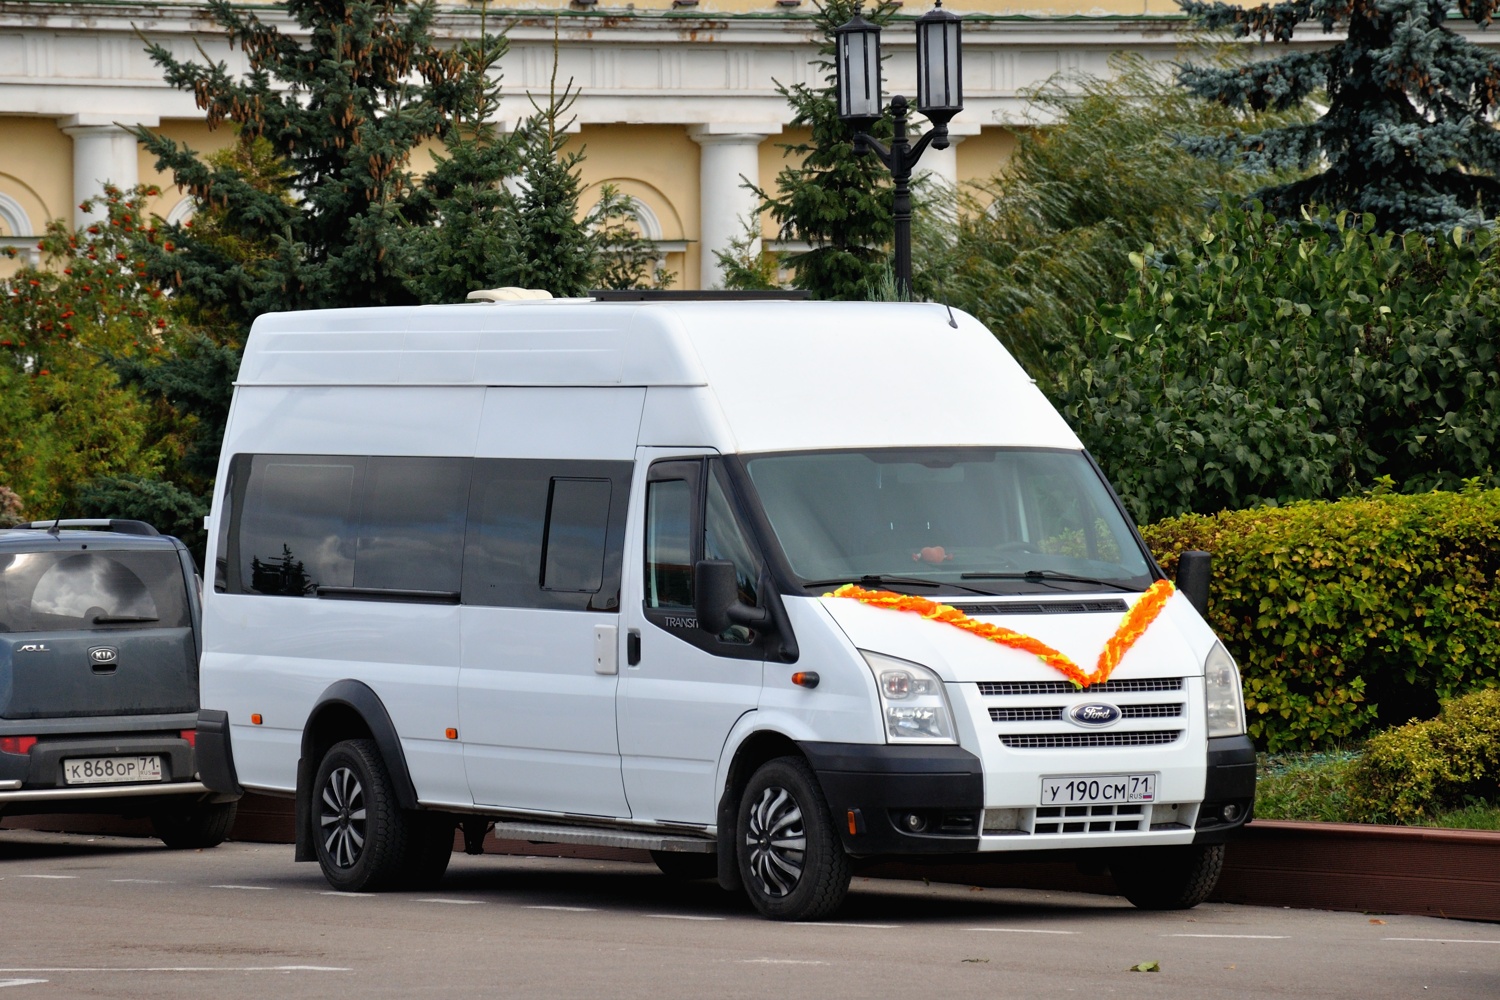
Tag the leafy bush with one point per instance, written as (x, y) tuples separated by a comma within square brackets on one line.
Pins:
[(1262, 363), (1034, 248), (1349, 613), (1418, 770)]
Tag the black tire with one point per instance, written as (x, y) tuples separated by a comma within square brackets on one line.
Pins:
[(688, 867), (203, 825), (1168, 878), (791, 861), (431, 849), (363, 838)]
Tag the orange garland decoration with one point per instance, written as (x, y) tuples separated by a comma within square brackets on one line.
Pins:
[(1132, 627)]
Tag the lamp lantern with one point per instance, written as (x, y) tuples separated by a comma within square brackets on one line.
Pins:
[(857, 48), (940, 82)]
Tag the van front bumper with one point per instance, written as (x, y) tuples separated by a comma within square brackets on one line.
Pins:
[(1228, 791), (901, 799)]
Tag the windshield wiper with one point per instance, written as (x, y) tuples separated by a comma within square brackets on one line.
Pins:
[(880, 579), (1047, 575), (123, 619)]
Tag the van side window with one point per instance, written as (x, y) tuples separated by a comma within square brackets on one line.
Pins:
[(297, 529), (573, 548), (669, 541), (723, 538), (411, 536), (546, 534)]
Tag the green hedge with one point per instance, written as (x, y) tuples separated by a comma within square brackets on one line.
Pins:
[(1421, 769), (1350, 613)]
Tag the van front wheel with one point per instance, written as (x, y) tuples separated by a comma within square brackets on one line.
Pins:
[(791, 861), (1168, 878), (361, 834)]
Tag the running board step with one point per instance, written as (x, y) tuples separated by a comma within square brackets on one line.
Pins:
[(557, 834)]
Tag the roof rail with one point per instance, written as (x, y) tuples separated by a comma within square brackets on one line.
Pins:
[(124, 526), (706, 295)]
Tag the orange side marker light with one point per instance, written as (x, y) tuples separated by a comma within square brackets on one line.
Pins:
[(451, 733), (255, 718)]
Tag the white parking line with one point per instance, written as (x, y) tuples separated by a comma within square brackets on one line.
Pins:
[(1247, 937), (679, 916), (835, 923), (349, 895), (1445, 940), (20, 982), (142, 881), (564, 909), (46, 876), (779, 961), (453, 902), (185, 968), (1016, 930), (255, 888)]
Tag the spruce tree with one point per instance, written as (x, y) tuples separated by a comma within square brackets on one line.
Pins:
[(836, 201), (1408, 135), (344, 109)]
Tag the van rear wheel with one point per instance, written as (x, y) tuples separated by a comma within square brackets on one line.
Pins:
[(791, 861), (1168, 878), (362, 836)]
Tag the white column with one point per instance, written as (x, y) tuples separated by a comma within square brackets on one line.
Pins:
[(942, 164), (731, 156), (102, 151)]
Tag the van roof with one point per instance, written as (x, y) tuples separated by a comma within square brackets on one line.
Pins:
[(828, 360)]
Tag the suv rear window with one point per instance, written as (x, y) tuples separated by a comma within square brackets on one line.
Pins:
[(62, 591)]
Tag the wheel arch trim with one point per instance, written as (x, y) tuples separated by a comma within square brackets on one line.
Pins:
[(340, 703)]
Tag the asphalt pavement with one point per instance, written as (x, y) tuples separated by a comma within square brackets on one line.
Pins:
[(118, 917)]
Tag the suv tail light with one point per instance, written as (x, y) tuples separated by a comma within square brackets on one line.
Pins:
[(191, 735), (17, 744)]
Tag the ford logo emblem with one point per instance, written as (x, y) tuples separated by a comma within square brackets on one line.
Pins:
[(1094, 714), (104, 654)]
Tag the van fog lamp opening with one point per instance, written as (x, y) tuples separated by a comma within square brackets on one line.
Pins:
[(1223, 697), (913, 701)]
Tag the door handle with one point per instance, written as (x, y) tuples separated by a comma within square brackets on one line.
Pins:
[(633, 647)]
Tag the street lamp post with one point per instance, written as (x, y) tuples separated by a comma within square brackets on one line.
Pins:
[(939, 98)]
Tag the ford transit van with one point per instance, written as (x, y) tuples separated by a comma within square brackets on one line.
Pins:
[(766, 588)]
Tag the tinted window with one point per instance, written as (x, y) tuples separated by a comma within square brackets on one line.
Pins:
[(669, 543), (54, 591), (412, 534), (296, 531), (724, 538), (546, 534), (577, 522)]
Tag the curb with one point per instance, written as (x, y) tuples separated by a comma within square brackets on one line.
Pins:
[(1321, 866)]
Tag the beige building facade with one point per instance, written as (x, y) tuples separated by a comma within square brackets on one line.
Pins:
[(677, 102)]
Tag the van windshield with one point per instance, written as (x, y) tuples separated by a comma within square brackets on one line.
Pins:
[(955, 519)]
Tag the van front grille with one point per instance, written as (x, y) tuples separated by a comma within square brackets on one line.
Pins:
[(999, 689), (1075, 741), (1089, 819), (1025, 714)]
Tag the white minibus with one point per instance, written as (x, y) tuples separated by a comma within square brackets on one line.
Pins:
[(767, 588)]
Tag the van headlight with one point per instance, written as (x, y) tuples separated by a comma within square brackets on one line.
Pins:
[(1224, 698), (912, 701)]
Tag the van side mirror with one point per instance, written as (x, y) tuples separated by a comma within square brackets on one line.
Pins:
[(716, 598), (1194, 569)]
